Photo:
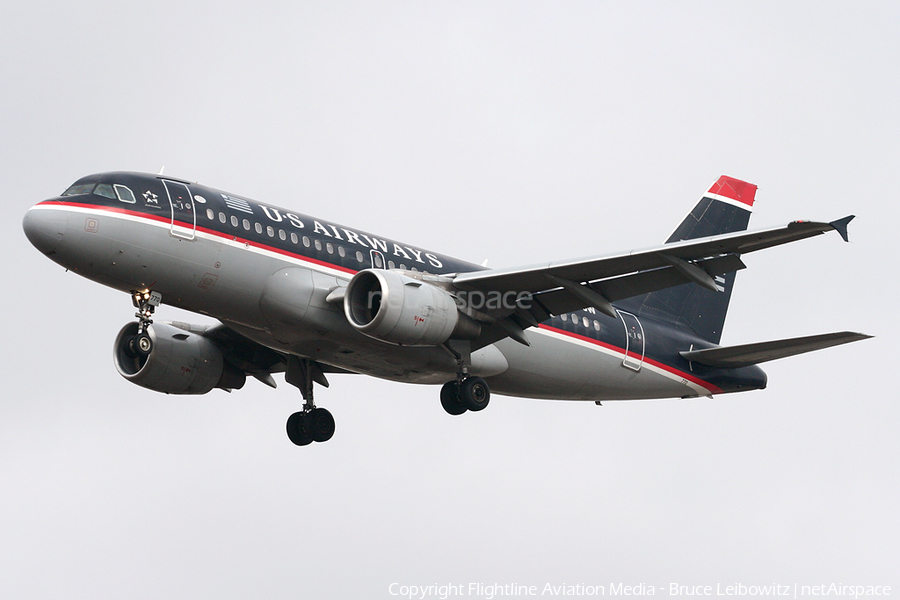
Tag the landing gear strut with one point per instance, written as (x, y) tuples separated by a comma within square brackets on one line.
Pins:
[(311, 424), (140, 344), (466, 392)]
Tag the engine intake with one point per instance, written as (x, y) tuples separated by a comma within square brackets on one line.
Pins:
[(399, 309), (181, 361)]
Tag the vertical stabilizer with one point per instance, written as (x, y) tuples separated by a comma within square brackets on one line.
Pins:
[(725, 208)]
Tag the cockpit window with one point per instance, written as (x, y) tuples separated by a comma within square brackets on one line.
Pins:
[(78, 189), (125, 194), (105, 190)]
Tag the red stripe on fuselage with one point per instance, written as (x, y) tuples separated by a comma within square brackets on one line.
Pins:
[(220, 234), (713, 389)]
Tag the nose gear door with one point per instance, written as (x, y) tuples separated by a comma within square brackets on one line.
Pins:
[(184, 217)]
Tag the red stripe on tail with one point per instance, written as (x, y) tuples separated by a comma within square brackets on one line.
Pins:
[(734, 189)]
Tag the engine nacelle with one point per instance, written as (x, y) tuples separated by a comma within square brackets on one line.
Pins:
[(399, 309), (181, 361)]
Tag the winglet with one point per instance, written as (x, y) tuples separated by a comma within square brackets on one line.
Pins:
[(841, 226)]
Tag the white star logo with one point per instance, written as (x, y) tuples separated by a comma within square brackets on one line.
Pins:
[(150, 197)]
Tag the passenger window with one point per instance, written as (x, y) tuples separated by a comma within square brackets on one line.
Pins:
[(105, 190), (319, 245), (597, 325), (234, 221), (257, 227), (329, 248), (247, 224), (282, 235), (222, 218), (359, 256), (306, 241), (586, 323), (390, 264), (341, 252), (294, 239), (124, 193), (564, 317), (210, 214), (271, 231)]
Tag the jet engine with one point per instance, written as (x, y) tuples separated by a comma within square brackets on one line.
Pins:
[(396, 308), (181, 361)]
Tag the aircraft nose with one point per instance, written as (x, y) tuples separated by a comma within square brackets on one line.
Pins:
[(44, 228)]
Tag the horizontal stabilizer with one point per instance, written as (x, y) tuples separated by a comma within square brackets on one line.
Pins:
[(732, 357)]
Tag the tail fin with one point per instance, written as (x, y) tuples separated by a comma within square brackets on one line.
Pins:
[(725, 208)]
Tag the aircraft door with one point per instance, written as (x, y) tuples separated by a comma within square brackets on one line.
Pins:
[(634, 341), (184, 217)]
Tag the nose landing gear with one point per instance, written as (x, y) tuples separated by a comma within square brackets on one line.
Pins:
[(141, 344)]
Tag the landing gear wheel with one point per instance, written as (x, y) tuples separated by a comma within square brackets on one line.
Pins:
[(298, 429), (141, 344), (474, 393), (450, 399), (321, 424)]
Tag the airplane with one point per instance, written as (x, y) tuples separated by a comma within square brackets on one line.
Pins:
[(306, 297)]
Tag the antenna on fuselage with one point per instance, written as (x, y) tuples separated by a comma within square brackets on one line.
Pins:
[(161, 169)]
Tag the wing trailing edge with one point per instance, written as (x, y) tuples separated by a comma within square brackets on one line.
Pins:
[(732, 357)]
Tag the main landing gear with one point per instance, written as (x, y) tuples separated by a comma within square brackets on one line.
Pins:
[(466, 392), (311, 424), (140, 344), (471, 393)]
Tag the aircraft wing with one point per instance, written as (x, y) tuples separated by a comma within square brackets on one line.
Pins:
[(253, 358), (596, 281), (624, 275)]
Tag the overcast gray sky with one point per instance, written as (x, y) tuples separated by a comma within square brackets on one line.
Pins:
[(508, 131)]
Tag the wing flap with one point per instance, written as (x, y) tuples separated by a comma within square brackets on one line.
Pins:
[(732, 357), (561, 301)]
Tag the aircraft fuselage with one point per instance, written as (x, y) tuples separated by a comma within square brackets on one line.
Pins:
[(267, 272)]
